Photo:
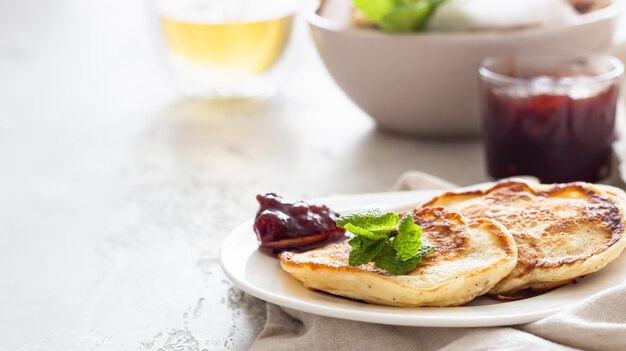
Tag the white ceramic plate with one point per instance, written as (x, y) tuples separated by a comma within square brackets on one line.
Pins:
[(261, 276)]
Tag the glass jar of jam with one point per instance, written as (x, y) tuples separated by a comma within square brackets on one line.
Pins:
[(551, 116)]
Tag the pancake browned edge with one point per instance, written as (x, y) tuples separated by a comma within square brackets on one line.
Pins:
[(470, 257), (562, 231)]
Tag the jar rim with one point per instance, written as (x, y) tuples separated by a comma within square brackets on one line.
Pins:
[(615, 72)]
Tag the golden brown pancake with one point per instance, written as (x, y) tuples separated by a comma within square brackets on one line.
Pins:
[(470, 257), (562, 232)]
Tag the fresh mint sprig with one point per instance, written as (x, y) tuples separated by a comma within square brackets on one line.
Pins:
[(393, 244), (398, 15)]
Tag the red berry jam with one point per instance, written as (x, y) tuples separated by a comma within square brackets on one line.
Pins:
[(550, 115), (282, 225), (556, 138)]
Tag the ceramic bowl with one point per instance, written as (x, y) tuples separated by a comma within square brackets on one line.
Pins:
[(426, 83)]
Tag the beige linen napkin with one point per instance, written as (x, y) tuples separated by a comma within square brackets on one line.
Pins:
[(597, 323)]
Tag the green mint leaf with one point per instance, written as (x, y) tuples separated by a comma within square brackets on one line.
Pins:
[(393, 244), (363, 250), (409, 239), (408, 18), (373, 225), (389, 260), (423, 251), (399, 15), (435, 3), (375, 9), (364, 232)]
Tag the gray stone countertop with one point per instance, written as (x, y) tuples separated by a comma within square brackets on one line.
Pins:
[(115, 193)]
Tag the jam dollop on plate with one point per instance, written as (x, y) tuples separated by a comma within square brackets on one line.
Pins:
[(282, 225)]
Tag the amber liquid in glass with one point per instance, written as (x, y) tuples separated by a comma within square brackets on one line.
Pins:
[(246, 48)]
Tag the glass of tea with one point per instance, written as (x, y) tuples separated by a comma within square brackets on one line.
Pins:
[(550, 115), (226, 49)]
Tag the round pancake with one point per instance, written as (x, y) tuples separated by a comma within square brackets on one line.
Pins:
[(562, 232), (470, 257)]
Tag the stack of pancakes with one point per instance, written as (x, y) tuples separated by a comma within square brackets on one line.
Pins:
[(513, 240)]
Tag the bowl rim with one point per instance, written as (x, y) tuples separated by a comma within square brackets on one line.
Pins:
[(312, 16)]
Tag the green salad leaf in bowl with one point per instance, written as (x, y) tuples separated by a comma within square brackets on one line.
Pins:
[(398, 15)]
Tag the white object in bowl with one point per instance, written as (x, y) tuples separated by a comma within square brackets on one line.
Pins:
[(426, 83)]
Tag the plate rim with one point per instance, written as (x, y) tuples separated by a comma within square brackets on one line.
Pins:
[(381, 317)]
